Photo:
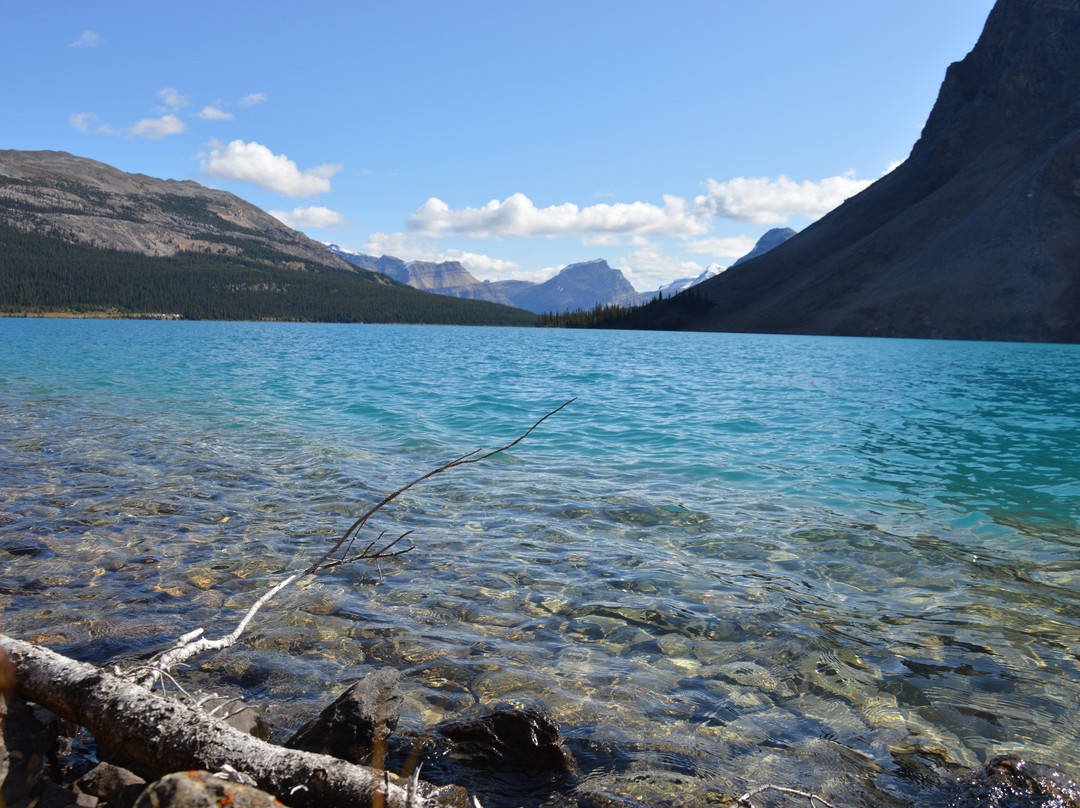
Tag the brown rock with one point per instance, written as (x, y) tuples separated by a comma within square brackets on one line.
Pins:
[(116, 786), (199, 789)]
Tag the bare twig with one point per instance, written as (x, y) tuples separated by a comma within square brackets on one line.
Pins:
[(744, 800), (356, 526), (193, 643)]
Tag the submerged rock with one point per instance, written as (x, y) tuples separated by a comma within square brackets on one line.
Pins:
[(509, 739), (1010, 781)]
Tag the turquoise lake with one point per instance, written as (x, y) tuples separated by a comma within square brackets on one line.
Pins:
[(733, 560)]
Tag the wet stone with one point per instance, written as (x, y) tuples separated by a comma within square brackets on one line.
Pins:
[(750, 674), (676, 645), (1010, 781), (26, 548), (509, 739), (358, 722)]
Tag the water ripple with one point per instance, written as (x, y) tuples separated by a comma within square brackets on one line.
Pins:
[(734, 559)]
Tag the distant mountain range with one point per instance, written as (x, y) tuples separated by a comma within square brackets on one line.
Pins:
[(77, 235), (81, 236), (576, 287), (975, 236)]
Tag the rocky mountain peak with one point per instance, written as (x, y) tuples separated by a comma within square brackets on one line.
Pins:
[(89, 202), (770, 240), (975, 236)]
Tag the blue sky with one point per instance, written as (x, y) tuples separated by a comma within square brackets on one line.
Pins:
[(517, 137)]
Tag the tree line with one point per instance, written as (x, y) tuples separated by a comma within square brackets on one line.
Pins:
[(659, 313), (40, 273)]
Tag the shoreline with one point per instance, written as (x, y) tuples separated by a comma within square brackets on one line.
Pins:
[(88, 315)]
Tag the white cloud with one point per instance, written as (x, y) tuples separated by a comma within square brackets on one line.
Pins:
[(214, 113), (414, 247), (649, 267), (83, 120), (602, 240), (762, 200), (89, 39), (518, 216), (157, 128), (312, 216), (251, 99), (484, 267), (253, 162), (173, 99), (406, 246), (732, 247)]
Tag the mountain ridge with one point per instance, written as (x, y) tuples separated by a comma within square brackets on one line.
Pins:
[(576, 287), (975, 236), (94, 203), (81, 236)]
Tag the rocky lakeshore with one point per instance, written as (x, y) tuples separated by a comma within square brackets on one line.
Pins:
[(507, 756)]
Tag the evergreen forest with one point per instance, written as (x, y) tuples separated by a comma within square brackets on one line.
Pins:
[(45, 274)]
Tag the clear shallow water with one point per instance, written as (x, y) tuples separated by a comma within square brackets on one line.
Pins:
[(735, 559)]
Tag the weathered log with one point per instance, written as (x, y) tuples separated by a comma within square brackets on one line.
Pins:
[(171, 736)]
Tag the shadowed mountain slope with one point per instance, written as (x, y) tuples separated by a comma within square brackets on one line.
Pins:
[(975, 236)]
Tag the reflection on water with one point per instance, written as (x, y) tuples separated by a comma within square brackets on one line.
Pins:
[(779, 570)]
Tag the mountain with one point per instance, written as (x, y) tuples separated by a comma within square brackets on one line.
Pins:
[(682, 284), (445, 278), (772, 238), (577, 286), (77, 235), (93, 203), (975, 236)]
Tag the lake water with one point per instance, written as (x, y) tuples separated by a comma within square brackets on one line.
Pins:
[(733, 560)]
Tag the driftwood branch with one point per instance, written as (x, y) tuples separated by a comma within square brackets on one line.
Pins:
[(170, 736), (193, 643), (471, 457), (814, 799)]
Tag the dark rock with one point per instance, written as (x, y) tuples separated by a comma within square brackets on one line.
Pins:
[(508, 739), (118, 787), (25, 743), (26, 548), (53, 796), (236, 714), (359, 721), (198, 789), (1010, 781)]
